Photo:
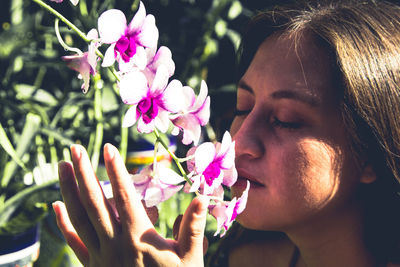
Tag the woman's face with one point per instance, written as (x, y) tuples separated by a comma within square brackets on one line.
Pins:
[(290, 138)]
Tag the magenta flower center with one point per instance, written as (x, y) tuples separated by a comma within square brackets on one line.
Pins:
[(148, 109), (212, 172), (126, 46)]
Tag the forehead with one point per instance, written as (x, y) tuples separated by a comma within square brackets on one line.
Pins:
[(294, 63)]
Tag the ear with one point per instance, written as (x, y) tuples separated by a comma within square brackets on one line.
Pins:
[(368, 175)]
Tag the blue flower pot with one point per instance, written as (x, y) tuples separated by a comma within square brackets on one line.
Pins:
[(21, 249)]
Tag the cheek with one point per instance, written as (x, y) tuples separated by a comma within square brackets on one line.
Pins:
[(312, 173)]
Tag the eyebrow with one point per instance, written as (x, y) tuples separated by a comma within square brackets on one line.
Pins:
[(308, 99)]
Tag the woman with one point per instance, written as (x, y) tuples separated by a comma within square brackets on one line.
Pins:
[(317, 135)]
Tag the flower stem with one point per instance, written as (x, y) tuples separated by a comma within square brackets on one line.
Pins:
[(98, 115), (175, 158), (63, 19), (61, 41)]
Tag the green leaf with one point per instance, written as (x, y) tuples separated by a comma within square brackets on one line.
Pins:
[(13, 203), (9, 148), (30, 129)]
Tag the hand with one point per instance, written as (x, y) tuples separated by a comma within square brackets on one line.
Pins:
[(101, 235)]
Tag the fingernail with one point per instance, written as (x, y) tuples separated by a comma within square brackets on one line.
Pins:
[(76, 151), (109, 150), (62, 170), (203, 205)]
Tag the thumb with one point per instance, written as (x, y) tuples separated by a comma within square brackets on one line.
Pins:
[(191, 232)]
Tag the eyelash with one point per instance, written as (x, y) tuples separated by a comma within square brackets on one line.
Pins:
[(276, 122), (286, 125)]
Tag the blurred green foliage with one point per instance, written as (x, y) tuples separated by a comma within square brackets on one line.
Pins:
[(43, 110)]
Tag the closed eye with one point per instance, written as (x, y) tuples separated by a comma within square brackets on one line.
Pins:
[(286, 125), (239, 112)]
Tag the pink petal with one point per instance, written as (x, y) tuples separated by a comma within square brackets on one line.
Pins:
[(74, 2), (109, 57), (191, 128), (130, 117), (170, 190), (133, 87), (203, 113), (148, 36), (243, 199), (111, 25), (204, 155), (227, 151), (189, 97), (230, 176), (138, 19)]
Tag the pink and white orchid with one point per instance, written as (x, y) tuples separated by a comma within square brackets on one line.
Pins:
[(213, 165), (151, 105), (225, 212), (128, 42), (85, 63), (154, 60), (156, 186), (195, 113)]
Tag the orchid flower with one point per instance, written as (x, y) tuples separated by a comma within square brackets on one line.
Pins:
[(151, 105), (85, 63), (128, 42), (225, 212), (196, 113), (213, 165), (154, 60), (158, 185)]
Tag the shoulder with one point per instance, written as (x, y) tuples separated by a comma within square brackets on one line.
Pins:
[(274, 251)]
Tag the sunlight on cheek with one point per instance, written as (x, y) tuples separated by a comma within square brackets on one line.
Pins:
[(321, 175)]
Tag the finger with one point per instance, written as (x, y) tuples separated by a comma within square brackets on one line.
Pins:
[(76, 211), (175, 233), (69, 233), (96, 205), (191, 232), (132, 214)]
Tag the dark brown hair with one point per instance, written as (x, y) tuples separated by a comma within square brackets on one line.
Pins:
[(363, 38)]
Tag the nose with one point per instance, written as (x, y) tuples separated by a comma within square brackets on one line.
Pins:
[(247, 135)]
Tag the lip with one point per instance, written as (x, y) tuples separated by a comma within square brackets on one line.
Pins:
[(243, 177)]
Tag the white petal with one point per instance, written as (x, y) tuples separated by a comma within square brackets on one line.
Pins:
[(111, 25), (133, 87), (202, 95), (140, 58), (173, 97), (243, 199), (204, 155), (164, 57), (148, 36), (145, 127), (138, 18), (196, 184), (169, 191), (162, 121), (109, 57), (160, 81), (153, 196), (92, 34), (168, 176), (130, 117)]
